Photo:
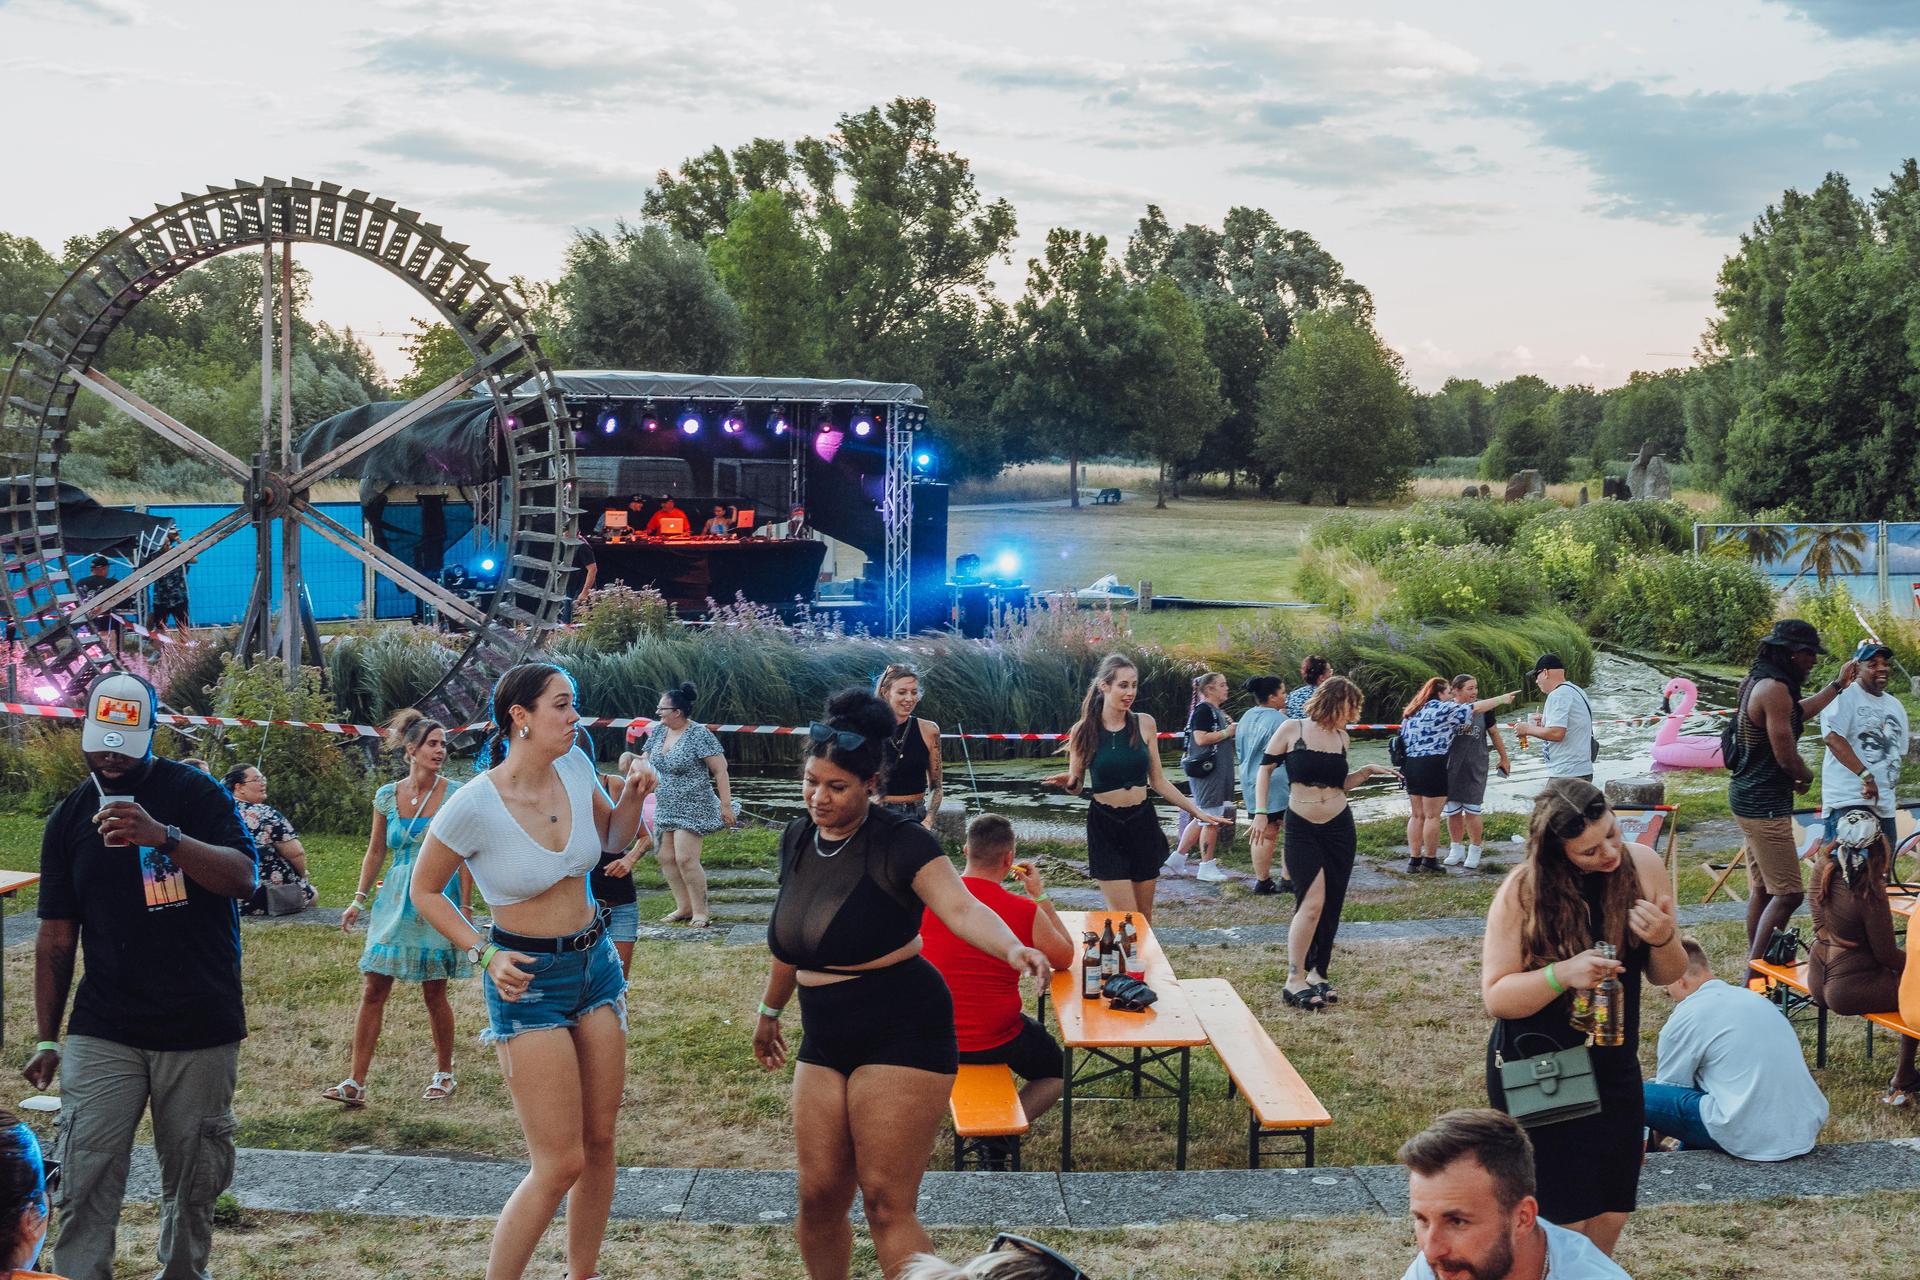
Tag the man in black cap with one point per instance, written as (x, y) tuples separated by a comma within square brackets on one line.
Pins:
[(1565, 725), (1767, 770)]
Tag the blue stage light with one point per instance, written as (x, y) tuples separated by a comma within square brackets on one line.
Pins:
[(488, 565), (735, 422), (690, 421), (609, 423), (1006, 565), (923, 459)]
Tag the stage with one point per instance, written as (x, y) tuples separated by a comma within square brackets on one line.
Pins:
[(691, 571)]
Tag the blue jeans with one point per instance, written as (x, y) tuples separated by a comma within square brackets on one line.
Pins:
[(566, 987), (1675, 1111), (1887, 827)]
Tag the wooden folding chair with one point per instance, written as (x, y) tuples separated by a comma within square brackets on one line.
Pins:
[(1807, 829), (1653, 826)]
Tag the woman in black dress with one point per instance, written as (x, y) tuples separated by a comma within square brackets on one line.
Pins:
[(1581, 885)]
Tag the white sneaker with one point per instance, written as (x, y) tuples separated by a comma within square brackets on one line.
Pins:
[(1210, 872), (1473, 859), (1175, 865), (1455, 856)]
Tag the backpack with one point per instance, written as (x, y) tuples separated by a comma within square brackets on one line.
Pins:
[(1733, 752), (1593, 739)]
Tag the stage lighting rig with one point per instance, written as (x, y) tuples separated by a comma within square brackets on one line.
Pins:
[(777, 421), (689, 421), (736, 420), (862, 423)]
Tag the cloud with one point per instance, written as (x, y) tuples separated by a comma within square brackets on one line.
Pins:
[(119, 13), (519, 179), (1340, 158), (1859, 17), (1722, 157), (1446, 217)]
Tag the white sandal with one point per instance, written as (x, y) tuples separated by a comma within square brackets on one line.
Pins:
[(441, 1088), (348, 1093)]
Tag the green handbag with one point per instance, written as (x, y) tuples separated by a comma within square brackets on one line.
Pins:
[(1551, 1087)]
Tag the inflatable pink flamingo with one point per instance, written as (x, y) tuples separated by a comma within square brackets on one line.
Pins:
[(1675, 751)]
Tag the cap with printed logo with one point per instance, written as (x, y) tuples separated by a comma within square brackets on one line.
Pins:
[(120, 716)]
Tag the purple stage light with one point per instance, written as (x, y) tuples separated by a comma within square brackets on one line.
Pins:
[(690, 422), (863, 424), (827, 443)]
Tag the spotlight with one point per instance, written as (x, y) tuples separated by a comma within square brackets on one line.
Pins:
[(1006, 566), (651, 422), (862, 423), (45, 692), (777, 423), (488, 565), (609, 422), (828, 442), (735, 422), (690, 421), (513, 423)]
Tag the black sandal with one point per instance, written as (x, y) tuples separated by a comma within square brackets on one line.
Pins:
[(1327, 994), (1307, 998)]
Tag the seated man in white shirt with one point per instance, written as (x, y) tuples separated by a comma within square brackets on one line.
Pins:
[(1470, 1188), (1732, 1076)]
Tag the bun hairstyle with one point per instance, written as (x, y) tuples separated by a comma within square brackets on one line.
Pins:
[(409, 728), (235, 776), (856, 711), (1264, 687), (1313, 669), (681, 699), (23, 1182), (519, 687)]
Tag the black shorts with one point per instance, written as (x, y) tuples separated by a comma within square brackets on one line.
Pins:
[(1125, 844), (1033, 1054), (168, 612), (900, 1016), (1427, 776)]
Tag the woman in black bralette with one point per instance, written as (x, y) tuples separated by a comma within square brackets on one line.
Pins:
[(877, 1055), (1321, 840)]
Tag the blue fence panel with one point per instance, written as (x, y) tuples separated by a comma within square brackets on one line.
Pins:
[(402, 534), (220, 582)]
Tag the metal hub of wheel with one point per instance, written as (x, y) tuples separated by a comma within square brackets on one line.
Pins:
[(58, 633)]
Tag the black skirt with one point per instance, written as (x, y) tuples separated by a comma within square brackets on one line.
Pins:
[(1125, 844)]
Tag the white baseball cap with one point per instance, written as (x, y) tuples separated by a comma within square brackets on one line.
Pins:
[(120, 710)]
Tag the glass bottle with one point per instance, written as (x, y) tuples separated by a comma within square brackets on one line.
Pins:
[(1090, 968), (1609, 1006), (1109, 954)]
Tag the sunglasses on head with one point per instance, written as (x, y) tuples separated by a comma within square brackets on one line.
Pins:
[(1006, 1242), (1569, 825), (845, 739)]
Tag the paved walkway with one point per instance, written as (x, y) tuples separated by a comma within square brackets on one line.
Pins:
[(426, 1186)]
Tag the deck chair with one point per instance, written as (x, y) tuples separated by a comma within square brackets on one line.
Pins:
[(1654, 826), (1807, 830)]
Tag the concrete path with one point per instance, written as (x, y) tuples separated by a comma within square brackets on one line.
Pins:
[(426, 1186)]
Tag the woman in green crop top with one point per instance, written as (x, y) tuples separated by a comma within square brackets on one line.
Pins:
[(1112, 747)]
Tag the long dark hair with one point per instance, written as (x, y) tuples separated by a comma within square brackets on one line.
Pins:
[(23, 1180), (1554, 920), (1433, 688), (1086, 734), (519, 687), (856, 711), (235, 776)]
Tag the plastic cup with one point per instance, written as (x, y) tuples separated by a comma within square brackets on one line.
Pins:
[(104, 802)]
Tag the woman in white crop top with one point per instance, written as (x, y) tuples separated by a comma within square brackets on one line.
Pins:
[(530, 829)]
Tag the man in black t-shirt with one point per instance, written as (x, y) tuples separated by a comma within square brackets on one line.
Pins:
[(141, 867)]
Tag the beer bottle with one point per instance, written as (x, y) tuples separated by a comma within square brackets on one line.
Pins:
[(1129, 937), (1609, 1006), (1581, 1018), (1109, 954), (1090, 968)]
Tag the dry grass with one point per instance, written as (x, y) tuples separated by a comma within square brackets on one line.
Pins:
[(1567, 493), (1047, 481), (131, 494), (1868, 1238)]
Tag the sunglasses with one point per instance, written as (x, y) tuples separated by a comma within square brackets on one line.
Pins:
[(50, 1173), (1569, 825), (845, 739), (1006, 1242)]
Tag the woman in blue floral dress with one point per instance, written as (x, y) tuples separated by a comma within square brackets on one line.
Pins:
[(694, 800), (400, 945)]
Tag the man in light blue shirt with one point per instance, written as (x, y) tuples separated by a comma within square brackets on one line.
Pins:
[(1732, 1076), (1565, 725), (1470, 1189)]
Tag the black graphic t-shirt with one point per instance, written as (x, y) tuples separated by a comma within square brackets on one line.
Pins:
[(161, 952)]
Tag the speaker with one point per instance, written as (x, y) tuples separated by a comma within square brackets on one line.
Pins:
[(927, 566)]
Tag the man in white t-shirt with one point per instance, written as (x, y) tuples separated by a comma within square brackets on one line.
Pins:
[(1866, 732), (1565, 725), (1732, 1075), (1470, 1189)]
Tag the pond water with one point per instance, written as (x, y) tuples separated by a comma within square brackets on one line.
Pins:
[(1621, 688)]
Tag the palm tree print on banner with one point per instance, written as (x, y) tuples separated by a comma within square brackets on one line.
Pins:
[(1828, 550), (1758, 544)]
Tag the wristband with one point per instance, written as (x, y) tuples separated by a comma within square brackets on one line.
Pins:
[(1041, 897), (359, 895), (487, 953), (768, 1011), (45, 1045), (1554, 982)]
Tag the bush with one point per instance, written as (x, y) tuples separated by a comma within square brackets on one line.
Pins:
[(1491, 521), (1569, 566), (313, 778), (38, 774), (375, 673), (1434, 582), (1694, 607), (1617, 528), (1341, 580), (1831, 609), (1374, 538), (617, 615)]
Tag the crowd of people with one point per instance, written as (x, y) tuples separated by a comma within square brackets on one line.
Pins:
[(904, 967)]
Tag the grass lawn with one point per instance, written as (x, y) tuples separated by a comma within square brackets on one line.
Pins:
[(1868, 1238)]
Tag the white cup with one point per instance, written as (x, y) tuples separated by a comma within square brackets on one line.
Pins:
[(104, 802)]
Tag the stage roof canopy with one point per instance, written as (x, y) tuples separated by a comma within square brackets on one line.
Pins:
[(623, 384)]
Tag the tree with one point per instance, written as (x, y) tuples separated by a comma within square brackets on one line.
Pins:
[(1182, 386), (1827, 550), (1526, 439), (1458, 422), (1237, 346), (435, 354), (768, 266), (1080, 352), (1758, 544), (1577, 414), (1647, 408), (698, 202), (28, 273), (645, 299), (1336, 406)]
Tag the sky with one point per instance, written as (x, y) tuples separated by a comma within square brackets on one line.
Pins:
[(1545, 189)]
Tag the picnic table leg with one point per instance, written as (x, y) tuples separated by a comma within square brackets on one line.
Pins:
[(1820, 1037), (1180, 1148), (1066, 1116), (1136, 1071)]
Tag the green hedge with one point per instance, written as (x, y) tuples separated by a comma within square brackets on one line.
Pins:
[(1468, 581), (1705, 608)]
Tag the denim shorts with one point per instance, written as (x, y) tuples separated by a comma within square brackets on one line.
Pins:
[(623, 921), (566, 987)]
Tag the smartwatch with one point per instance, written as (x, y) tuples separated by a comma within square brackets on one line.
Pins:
[(172, 842)]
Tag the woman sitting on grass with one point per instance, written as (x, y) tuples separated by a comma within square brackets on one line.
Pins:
[(283, 859)]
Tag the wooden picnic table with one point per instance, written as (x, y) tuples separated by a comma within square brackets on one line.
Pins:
[(11, 882), (1151, 1049)]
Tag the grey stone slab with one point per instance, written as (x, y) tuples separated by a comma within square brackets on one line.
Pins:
[(23, 927), (1387, 1183), (951, 1199), (308, 1181), (1838, 1169), (1211, 1195), (444, 1188), (743, 1196), (652, 1195), (745, 935)]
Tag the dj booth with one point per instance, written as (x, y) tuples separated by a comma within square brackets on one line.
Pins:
[(691, 571)]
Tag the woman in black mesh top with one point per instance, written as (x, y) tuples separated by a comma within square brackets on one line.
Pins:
[(877, 1056)]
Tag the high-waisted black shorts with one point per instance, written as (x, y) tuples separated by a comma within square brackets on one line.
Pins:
[(1427, 776), (1125, 844), (900, 1016)]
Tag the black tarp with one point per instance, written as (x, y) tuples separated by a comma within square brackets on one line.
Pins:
[(452, 445), (90, 529)]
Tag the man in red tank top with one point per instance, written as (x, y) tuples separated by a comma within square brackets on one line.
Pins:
[(987, 1017)]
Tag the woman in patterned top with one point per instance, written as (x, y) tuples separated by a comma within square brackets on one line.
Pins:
[(282, 859), (1313, 670), (694, 800), (1427, 727), (400, 945)]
